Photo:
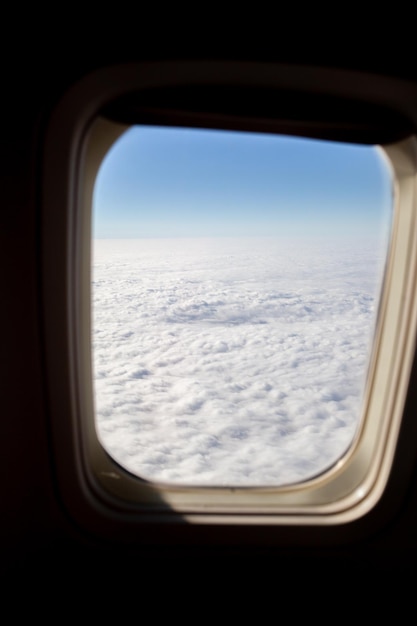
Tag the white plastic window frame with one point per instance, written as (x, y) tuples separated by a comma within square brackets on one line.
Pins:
[(91, 483)]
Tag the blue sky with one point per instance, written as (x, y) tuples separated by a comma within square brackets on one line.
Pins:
[(167, 182)]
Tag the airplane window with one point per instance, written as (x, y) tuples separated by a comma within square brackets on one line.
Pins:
[(235, 287)]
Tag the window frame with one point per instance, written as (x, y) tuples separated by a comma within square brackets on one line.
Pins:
[(92, 486)]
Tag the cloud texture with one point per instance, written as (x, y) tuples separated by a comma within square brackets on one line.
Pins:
[(231, 361)]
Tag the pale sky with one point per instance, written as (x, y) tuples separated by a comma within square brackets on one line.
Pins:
[(171, 182)]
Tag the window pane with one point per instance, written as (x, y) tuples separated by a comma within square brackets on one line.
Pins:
[(235, 287)]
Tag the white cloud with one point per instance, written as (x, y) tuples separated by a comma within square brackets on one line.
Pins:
[(230, 361)]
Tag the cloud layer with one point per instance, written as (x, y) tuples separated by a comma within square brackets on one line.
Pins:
[(231, 361)]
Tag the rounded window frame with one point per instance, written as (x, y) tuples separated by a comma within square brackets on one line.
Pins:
[(92, 483)]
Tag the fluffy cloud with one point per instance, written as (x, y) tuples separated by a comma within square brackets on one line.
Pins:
[(230, 361)]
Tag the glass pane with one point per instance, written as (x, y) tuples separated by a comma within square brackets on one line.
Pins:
[(236, 280)]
